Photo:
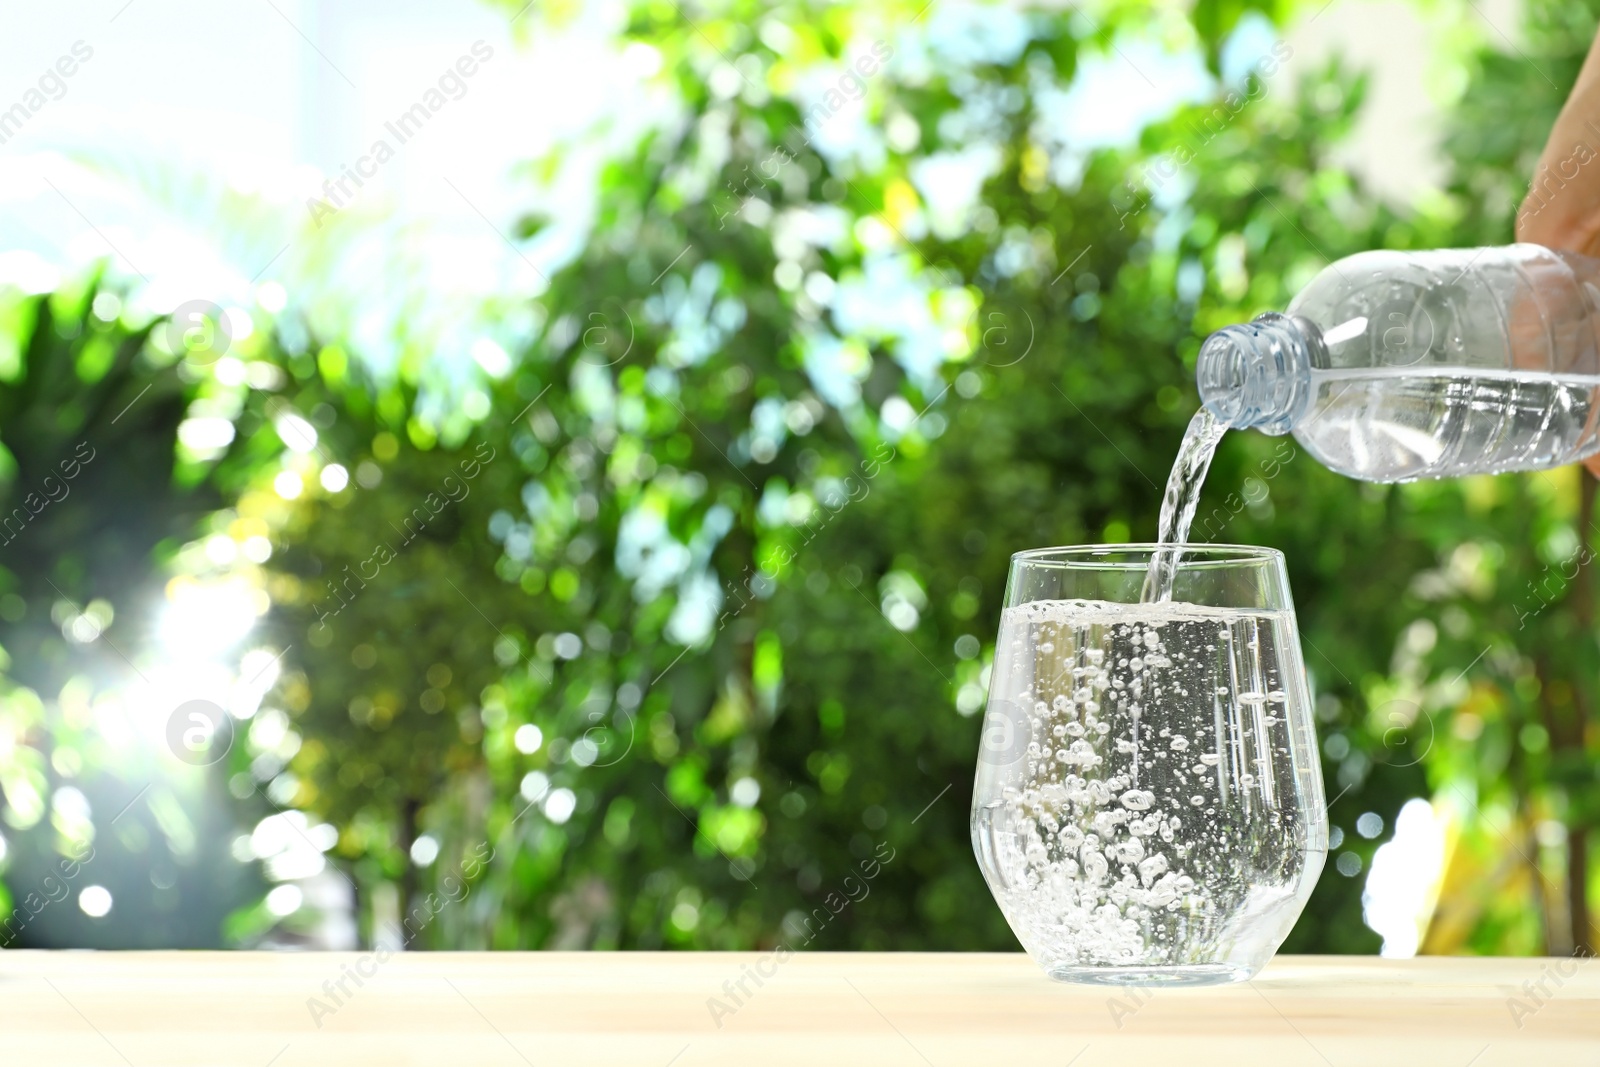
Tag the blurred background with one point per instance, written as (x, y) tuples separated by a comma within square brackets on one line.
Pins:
[(502, 476)]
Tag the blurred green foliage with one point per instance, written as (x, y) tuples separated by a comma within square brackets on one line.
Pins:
[(96, 499), (680, 621)]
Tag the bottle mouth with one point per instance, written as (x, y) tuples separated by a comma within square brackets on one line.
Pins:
[(1221, 372), (1257, 374)]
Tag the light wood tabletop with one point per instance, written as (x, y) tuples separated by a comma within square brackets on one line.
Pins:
[(176, 1009)]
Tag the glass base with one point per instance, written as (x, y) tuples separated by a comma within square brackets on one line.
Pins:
[(1191, 974)]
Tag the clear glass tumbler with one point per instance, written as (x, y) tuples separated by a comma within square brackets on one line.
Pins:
[(1149, 805)]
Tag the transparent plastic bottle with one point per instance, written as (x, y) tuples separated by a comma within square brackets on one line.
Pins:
[(1392, 366)]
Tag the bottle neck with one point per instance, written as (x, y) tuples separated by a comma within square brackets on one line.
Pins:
[(1257, 375)]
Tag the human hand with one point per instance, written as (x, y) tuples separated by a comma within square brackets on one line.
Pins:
[(1562, 208)]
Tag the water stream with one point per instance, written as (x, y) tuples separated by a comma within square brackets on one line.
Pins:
[(1182, 496)]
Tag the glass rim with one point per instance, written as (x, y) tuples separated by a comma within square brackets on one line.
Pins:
[(1194, 555)]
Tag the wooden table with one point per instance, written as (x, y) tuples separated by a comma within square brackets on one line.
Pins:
[(172, 1009)]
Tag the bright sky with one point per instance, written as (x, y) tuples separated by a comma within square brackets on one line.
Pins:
[(265, 96), (188, 138)]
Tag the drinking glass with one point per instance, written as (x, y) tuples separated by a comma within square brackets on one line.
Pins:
[(1149, 804)]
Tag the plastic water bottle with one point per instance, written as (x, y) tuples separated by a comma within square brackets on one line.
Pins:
[(1391, 366)]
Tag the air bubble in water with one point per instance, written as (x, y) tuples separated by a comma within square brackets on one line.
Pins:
[(1095, 865), (1130, 851), (1137, 799)]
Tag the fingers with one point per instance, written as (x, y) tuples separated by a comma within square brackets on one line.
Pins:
[(1593, 463), (1562, 209)]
